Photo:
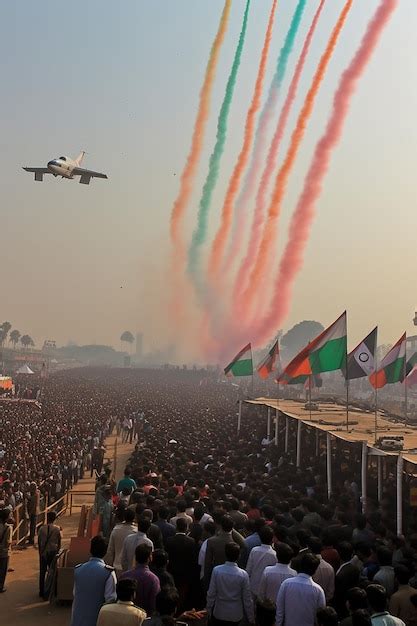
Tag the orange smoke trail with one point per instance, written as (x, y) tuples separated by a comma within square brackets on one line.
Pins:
[(220, 240), (188, 174), (270, 227)]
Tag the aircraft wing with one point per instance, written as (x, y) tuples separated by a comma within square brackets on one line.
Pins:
[(38, 171), (86, 175)]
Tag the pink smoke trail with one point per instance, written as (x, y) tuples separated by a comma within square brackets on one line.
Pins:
[(258, 217), (302, 220)]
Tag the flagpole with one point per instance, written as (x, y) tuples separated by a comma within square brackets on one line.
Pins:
[(376, 394), (347, 390), (309, 393), (405, 383)]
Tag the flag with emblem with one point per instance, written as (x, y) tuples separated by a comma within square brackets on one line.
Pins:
[(361, 361), (270, 362), (242, 364), (393, 366)]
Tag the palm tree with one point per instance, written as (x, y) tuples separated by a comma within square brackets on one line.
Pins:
[(127, 337), (27, 341), (14, 337), (4, 331)]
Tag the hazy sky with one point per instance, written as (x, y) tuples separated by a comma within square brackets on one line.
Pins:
[(121, 80)]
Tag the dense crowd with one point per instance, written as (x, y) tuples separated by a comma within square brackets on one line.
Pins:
[(205, 520)]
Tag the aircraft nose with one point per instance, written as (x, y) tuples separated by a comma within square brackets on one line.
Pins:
[(51, 163)]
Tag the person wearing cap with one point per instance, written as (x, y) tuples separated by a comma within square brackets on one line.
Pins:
[(94, 585), (123, 612)]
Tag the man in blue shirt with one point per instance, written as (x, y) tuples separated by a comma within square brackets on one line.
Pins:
[(229, 597), (126, 482)]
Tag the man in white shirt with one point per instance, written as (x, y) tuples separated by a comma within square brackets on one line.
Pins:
[(261, 557), (299, 597), (324, 575), (229, 598), (124, 527), (274, 575), (133, 541), (181, 508)]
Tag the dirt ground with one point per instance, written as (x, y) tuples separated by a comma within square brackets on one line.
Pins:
[(20, 604)]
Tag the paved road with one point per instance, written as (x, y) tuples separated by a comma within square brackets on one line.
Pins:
[(20, 605)]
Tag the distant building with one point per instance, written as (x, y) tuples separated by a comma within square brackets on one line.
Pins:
[(139, 345)]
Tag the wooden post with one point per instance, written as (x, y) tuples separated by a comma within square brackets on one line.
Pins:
[(298, 452), (239, 416), (400, 464), (286, 433), (268, 425), (276, 426), (364, 474)]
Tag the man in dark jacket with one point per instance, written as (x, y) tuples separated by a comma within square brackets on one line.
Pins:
[(182, 555)]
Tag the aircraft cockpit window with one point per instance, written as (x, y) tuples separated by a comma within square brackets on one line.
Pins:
[(62, 159)]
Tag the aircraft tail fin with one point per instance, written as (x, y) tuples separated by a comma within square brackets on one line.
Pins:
[(80, 157)]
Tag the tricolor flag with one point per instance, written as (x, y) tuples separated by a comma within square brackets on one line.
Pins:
[(267, 365), (325, 353), (361, 361), (315, 381), (392, 368), (242, 364)]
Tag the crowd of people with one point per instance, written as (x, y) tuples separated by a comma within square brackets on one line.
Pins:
[(209, 525)]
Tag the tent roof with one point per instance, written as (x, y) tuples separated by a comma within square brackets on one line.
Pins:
[(25, 369)]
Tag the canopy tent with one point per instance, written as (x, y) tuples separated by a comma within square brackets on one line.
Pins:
[(25, 369)]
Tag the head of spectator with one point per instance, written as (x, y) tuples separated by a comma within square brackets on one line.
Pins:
[(144, 524), (345, 551), (308, 564), (181, 506), (327, 616), (303, 537), (266, 535), (198, 513), (209, 529), (377, 598), (181, 525), (361, 617), (4, 515), (143, 554), (384, 556), (315, 545), (98, 547), (227, 524), (160, 559), (166, 602), (50, 517), (360, 521), (232, 552), (120, 515), (356, 599), (163, 513), (284, 553), (126, 590), (402, 574), (129, 516)]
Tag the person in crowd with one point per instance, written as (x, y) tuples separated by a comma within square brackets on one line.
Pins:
[(148, 585), (124, 526), (209, 530), (327, 616), (252, 539), (300, 597), (324, 575), (182, 555), (133, 540), (167, 529), (347, 576), (403, 603), (356, 600), (274, 575), (261, 557), (216, 546), (181, 514), (385, 576), (127, 482), (166, 605), (49, 544), (377, 598), (361, 617), (94, 584), (6, 530), (159, 568), (33, 509), (123, 612), (229, 598)]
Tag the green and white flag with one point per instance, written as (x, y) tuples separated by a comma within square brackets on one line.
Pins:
[(242, 364)]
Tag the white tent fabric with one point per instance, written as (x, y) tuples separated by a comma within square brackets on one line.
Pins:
[(25, 369)]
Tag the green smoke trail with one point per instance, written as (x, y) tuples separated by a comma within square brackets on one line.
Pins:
[(200, 233)]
